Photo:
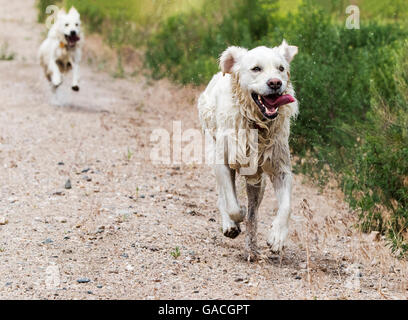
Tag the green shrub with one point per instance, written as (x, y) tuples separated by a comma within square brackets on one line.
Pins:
[(42, 6), (130, 22), (378, 181), (5, 54), (101, 17), (186, 47), (91, 15), (176, 56)]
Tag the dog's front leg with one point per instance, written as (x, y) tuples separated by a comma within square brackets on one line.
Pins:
[(75, 71), (255, 195), (56, 77), (231, 213), (75, 76), (282, 183)]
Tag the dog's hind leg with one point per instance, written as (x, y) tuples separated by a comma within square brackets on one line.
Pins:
[(282, 183), (255, 194), (231, 213)]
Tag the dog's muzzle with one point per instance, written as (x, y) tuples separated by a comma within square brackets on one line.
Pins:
[(72, 39), (269, 104)]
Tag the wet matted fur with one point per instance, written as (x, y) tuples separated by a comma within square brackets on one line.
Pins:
[(241, 97)]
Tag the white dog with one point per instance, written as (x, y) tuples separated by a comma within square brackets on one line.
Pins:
[(61, 50), (253, 91)]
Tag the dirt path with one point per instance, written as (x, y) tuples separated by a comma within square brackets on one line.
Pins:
[(124, 216)]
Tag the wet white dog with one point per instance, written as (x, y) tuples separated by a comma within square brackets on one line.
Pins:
[(61, 50), (253, 91)]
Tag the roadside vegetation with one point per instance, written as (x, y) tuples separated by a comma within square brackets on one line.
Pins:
[(352, 85), (5, 54)]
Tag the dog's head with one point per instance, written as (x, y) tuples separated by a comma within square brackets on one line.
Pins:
[(263, 74), (69, 24)]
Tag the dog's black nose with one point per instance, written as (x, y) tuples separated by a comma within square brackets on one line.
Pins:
[(73, 33), (274, 84)]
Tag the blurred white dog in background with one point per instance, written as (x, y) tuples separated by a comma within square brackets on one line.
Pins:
[(61, 50)]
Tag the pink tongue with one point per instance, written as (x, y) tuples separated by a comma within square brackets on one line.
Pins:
[(271, 103)]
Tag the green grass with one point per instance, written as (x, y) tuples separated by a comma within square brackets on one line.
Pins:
[(129, 22), (176, 253), (139, 11), (370, 10), (5, 55), (377, 181), (119, 72), (129, 154)]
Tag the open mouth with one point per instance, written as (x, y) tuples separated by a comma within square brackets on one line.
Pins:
[(72, 40), (269, 105)]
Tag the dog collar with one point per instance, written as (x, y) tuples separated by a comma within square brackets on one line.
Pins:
[(62, 45)]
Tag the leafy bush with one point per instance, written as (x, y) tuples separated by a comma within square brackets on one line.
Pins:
[(129, 22), (378, 181), (111, 19), (186, 46)]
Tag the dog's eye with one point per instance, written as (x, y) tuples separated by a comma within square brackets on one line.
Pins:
[(67, 24), (77, 24), (256, 69), (281, 69)]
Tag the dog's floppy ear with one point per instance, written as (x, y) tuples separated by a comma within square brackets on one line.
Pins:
[(287, 51), (230, 57)]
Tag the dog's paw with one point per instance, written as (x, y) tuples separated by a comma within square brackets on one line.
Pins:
[(75, 88), (54, 88), (252, 255), (277, 237), (56, 81), (239, 216), (232, 231)]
